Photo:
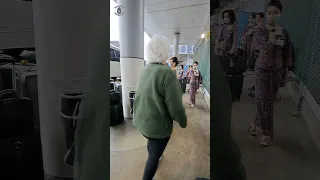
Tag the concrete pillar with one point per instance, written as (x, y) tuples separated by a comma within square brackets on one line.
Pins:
[(176, 39), (131, 48), (67, 37)]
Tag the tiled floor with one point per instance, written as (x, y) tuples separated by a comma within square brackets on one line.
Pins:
[(187, 155), (292, 155)]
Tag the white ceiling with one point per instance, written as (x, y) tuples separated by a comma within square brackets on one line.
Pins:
[(166, 17)]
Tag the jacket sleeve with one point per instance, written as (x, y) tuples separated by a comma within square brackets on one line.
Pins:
[(173, 100)]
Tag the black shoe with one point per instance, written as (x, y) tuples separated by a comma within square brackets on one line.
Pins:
[(252, 88), (252, 94), (235, 99)]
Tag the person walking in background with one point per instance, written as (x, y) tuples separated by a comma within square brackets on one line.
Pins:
[(188, 72), (246, 41), (174, 64), (260, 18), (158, 102), (255, 51), (271, 69), (195, 79), (181, 73), (226, 43), (188, 79)]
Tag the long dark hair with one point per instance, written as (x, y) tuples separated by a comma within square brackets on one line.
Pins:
[(261, 14), (231, 14), (253, 15), (175, 60), (276, 3)]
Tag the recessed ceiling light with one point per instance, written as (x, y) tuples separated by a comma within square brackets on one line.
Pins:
[(203, 35)]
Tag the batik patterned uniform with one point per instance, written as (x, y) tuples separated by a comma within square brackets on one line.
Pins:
[(195, 78), (247, 42), (180, 74), (227, 41), (269, 68)]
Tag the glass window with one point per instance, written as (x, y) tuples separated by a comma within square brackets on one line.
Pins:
[(183, 49)]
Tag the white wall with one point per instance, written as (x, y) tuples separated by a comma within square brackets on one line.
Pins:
[(146, 41)]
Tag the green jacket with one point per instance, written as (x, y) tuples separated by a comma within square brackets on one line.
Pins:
[(158, 101)]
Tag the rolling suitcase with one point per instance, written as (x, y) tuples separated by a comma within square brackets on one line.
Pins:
[(116, 114), (27, 86), (115, 97), (183, 81), (21, 157), (183, 88), (16, 117), (23, 80), (7, 72), (233, 65), (235, 84), (183, 85)]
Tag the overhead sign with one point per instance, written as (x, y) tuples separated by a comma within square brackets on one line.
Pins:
[(119, 10)]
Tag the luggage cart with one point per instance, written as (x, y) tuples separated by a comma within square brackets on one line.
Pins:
[(6, 59)]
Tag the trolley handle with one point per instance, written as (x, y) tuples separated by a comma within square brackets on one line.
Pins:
[(134, 96)]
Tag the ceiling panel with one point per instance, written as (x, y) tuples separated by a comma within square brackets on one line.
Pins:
[(188, 17)]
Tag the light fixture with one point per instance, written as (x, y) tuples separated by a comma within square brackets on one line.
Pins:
[(203, 35)]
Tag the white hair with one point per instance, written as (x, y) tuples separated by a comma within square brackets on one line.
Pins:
[(158, 49)]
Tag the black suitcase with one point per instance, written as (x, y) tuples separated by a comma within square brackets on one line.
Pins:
[(183, 88), (116, 114), (6, 73), (16, 117), (233, 65), (21, 157), (235, 84), (183, 81), (27, 86), (115, 97)]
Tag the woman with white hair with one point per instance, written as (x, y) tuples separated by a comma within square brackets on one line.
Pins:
[(158, 102)]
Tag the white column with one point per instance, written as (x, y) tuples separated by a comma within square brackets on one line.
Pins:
[(66, 37), (176, 39), (131, 48)]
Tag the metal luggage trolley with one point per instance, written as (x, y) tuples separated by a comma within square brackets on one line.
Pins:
[(6, 59)]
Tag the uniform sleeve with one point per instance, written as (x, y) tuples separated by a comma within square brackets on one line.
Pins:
[(261, 39), (235, 40), (287, 52)]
